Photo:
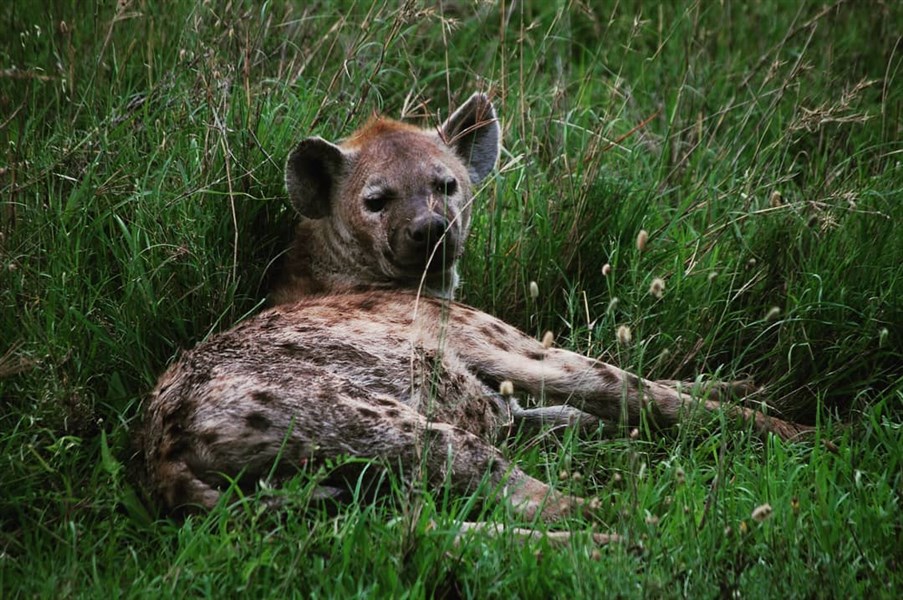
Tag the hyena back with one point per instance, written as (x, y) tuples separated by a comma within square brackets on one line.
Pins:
[(354, 360)]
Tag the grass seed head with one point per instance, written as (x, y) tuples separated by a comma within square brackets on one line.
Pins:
[(776, 199), (606, 270), (641, 239), (657, 287), (712, 276), (761, 512), (773, 313), (506, 388), (624, 335), (548, 339), (612, 304), (534, 290)]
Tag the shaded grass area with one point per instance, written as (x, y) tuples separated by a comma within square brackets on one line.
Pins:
[(758, 144)]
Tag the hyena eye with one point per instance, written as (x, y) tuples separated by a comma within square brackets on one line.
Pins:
[(376, 202), (447, 187)]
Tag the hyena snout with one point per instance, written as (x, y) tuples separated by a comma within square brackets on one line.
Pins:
[(428, 241)]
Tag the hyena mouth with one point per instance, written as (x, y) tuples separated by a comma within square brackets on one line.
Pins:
[(426, 245), (441, 257)]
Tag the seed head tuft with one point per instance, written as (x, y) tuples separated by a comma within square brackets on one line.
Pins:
[(761, 512), (776, 199), (657, 288), (606, 270), (548, 339), (773, 313), (506, 388), (641, 239), (534, 290), (624, 335)]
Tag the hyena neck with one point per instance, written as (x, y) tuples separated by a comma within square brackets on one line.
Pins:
[(440, 285), (309, 270)]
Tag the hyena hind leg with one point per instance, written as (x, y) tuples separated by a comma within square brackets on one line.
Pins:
[(200, 465), (525, 534)]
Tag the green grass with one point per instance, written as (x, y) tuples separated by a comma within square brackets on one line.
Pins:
[(759, 144)]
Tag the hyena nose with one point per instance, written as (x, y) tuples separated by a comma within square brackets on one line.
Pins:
[(425, 232)]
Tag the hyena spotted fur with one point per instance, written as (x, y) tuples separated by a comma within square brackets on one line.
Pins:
[(366, 355)]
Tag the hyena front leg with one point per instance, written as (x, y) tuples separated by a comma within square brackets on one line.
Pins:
[(557, 416), (714, 390), (500, 352), (562, 416), (618, 397)]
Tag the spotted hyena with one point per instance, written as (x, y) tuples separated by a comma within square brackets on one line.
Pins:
[(366, 355)]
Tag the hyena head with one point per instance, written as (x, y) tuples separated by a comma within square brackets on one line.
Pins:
[(389, 206)]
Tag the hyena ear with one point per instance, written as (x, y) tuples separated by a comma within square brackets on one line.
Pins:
[(312, 172), (472, 131)]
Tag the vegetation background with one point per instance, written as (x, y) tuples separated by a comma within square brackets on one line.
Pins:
[(758, 142)]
